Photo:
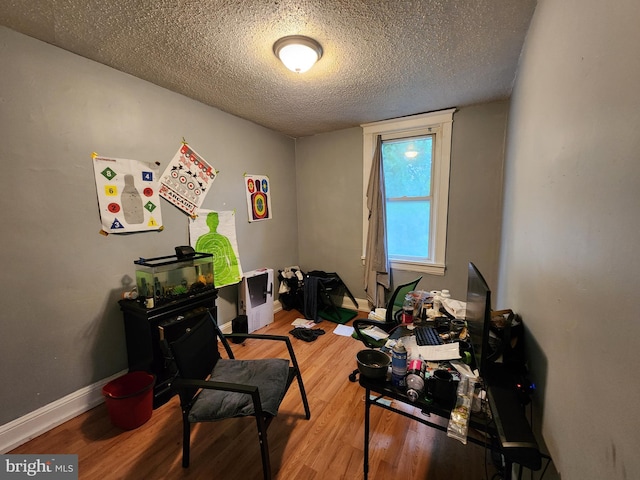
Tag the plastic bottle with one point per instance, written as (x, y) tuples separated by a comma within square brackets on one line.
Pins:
[(398, 365), (437, 300), (444, 294), (407, 309)]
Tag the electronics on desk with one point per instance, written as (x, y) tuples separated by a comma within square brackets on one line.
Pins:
[(506, 384), (426, 335)]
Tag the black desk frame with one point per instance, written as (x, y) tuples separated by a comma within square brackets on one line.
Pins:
[(383, 389)]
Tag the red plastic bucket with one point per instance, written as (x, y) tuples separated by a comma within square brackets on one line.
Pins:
[(130, 399)]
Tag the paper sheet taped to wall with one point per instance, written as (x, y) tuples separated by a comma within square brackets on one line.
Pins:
[(128, 195), (187, 179), (215, 232), (258, 192)]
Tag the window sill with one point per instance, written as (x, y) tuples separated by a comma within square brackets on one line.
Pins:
[(428, 268), (431, 269)]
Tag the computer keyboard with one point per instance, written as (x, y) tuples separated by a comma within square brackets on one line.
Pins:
[(427, 336)]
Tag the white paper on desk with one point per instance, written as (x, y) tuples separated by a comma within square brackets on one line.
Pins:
[(464, 370), (448, 351), (375, 332), (343, 330)]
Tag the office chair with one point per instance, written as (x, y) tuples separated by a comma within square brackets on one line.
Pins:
[(213, 388), (392, 317)]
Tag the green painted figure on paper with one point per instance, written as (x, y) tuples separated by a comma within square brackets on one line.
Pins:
[(225, 262)]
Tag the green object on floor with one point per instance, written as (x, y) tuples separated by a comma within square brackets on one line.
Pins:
[(337, 314)]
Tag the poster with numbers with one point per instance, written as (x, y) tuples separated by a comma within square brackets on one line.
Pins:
[(186, 180), (258, 192), (128, 195)]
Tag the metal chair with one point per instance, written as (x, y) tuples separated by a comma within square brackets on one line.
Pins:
[(213, 388)]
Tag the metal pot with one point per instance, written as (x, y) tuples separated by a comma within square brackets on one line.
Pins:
[(373, 363)]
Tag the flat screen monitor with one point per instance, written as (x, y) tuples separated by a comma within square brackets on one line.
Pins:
[(478, 317)]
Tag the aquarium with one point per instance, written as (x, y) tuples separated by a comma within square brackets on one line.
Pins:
[(164, 279)]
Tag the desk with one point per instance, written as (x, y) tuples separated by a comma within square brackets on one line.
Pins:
[(379, 389)]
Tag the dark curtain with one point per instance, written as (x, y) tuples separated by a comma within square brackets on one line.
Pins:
[(376, 265)]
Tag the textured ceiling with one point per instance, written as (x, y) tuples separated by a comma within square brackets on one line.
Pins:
[(382, 59)]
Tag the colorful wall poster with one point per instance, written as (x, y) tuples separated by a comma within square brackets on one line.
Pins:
[(215, 232), (187, 179), (258, 191), (128, 195)]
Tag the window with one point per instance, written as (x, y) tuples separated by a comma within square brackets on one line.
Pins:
[(416, 154), (407, 166)]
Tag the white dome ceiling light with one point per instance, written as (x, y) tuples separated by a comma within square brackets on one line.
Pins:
[(297, 52)]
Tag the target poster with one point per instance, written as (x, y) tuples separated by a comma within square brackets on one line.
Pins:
[(258, 191), (128, 195), (186, 180), (215, 232)]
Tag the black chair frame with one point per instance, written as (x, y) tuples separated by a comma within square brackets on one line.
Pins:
[(189, 388)]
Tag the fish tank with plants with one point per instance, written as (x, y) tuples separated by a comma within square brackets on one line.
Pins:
[(161, 280)]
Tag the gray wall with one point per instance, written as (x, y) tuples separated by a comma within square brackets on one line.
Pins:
[(569, 261), (329, 185), (61, 327), (475, 195), (329, 179)]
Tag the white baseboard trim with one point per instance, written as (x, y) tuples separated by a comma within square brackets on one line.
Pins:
[(226, 327), (277, 306), (27, 427), (363, 306)]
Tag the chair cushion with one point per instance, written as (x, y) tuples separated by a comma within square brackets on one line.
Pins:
[(269, 375)]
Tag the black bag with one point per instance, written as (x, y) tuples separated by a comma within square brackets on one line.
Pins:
[(292, 295)]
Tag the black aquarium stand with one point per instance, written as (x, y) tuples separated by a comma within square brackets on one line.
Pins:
[(149, 330)]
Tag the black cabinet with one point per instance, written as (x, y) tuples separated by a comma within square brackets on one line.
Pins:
[(148, 331)]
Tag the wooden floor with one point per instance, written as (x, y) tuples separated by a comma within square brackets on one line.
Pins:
[(328, 446)]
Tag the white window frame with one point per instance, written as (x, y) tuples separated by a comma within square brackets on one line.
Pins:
[(434, 123)]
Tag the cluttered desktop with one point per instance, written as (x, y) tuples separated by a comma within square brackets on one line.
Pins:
[(444, 356)]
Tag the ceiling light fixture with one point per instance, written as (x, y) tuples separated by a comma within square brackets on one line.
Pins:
[(411, 152), (297, 52)]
